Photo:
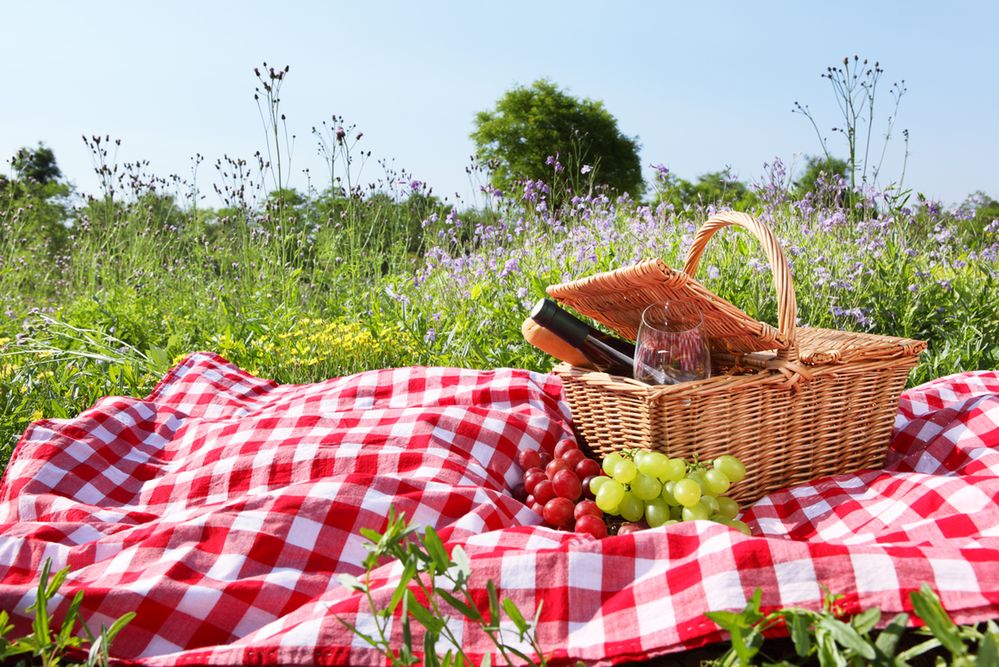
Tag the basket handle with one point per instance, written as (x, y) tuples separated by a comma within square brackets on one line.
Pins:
[(787, 305)]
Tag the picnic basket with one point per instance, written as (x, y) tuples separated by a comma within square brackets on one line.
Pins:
[(793, 403)]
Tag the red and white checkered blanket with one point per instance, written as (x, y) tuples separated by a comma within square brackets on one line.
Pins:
[(222, 508)]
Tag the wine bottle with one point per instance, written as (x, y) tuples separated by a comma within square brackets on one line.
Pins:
[(605, 352)]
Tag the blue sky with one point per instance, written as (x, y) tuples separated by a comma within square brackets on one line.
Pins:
[(702, 85)]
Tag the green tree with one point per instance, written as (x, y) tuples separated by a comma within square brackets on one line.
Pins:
[(825, 166), (35, 196), (36, 165), (718, 188), (529, 124)]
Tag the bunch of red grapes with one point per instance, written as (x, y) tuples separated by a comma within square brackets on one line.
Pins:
[(558, 488)]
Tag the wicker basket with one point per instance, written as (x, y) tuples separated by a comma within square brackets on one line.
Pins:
[(792, 403)]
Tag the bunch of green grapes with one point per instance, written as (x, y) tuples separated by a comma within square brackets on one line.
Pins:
[(651, 486)]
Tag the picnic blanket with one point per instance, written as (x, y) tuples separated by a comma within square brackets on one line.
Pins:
[(222, 507)]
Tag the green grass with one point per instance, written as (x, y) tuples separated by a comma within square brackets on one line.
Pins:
[(302, 288)]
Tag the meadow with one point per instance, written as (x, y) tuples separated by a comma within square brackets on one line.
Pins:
[(102, 294)]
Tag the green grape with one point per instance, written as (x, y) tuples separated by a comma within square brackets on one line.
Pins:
[(697, 476), (687, 492), (716, 482), (695, 512), (668, 496), (732, 467), (740, 526), (610, 461), (676, 469), (609, 496), (645, 487), (711, 503), (656, 512), (631, 508), (676, 513), (670, 522), (597, 482), (640, 458), (653, 464), (727, 507), (624, 471)]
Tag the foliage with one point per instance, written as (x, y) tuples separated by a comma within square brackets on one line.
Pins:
[(33, 208), (828, 637), (818, 172), (50, 647), (432, 585), (36, 165), (717, 188), (532, 126)]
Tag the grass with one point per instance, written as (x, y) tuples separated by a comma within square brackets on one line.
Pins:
[(301, 288)]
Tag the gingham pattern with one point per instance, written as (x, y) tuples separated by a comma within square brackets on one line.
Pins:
[(222, 507)]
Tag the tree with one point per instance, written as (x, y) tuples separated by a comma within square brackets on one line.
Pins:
[(36, 165), (826, 167), (718, 188), (34, 188), (528, 125)]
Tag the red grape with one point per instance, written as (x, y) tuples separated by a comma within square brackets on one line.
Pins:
[(555, 466), (564, 446), (587, 467), (543, 492), (567, 485), (587, 492), (631, 527), (584, 507), (532, 477), (528, 458), (545, 458), (593, 525), (573, 457), (558, 512), (530, 500), (537, 507)]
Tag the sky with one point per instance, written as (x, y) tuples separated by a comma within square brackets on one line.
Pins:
[(702, 85)]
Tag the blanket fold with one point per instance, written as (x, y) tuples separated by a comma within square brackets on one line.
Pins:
[(222, 508)]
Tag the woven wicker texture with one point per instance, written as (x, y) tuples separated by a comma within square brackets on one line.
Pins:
[(617, 298), (820, 402)]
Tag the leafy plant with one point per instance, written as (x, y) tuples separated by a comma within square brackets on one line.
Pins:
[(50, 647), (533, 128), (829, 638), (432, 582)]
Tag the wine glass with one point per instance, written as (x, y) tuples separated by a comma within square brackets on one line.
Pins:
[(670, 346)]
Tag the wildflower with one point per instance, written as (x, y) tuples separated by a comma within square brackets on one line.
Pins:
[(430, 336), (586, 169), (341, 134), (511, 266), (713, 272)]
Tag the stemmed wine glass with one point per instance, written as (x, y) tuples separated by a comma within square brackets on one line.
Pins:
[(670, 346)]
